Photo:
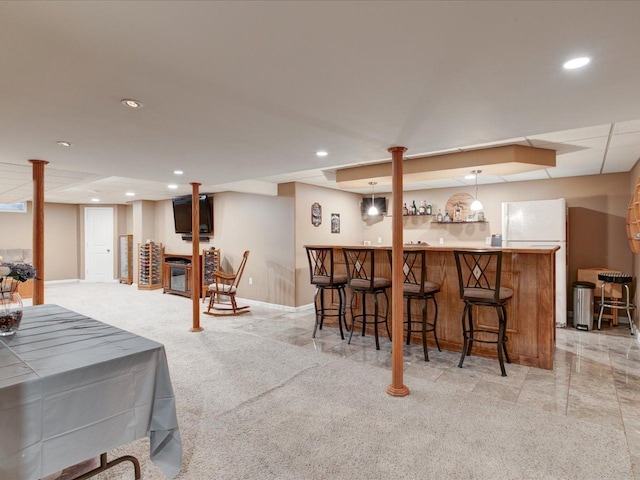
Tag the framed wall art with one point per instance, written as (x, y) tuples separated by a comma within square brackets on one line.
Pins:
[(335, 223), (316, 214)]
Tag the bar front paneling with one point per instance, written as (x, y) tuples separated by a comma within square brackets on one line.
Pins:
[(530, 272)]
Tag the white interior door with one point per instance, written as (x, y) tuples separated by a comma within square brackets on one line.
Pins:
[(98, 234)]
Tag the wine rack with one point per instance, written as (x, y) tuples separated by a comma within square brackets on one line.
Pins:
[(149, 266), (210, 263)]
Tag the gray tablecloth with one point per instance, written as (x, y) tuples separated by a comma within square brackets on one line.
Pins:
[(72, 387)]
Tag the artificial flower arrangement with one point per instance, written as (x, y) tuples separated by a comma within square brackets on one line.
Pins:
[(12, 273)]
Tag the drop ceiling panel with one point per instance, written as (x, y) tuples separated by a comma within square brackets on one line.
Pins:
[(18, 177), (577, 164), (440, 183), (625, 140), (621, 159), (527, 176), (52, 172), (511, 141), (626, 127), (12, 167), (573, 146), (569, 136)]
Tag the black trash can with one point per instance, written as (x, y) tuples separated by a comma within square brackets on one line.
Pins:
[(583, 305)]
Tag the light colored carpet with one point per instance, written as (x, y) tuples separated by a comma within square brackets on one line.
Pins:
[(256, 408)]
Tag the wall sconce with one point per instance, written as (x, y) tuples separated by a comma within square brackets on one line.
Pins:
[(476, 204), (372, 209)]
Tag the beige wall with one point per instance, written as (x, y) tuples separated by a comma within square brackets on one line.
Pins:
[(587, 197), (17, 229), (61, 248), (597, 210), (275, 229), (332, 201), (265, 226), (60, 241), (261, 224), (143, 221)]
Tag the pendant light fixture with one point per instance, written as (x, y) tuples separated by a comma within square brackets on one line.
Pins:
[(372, 209), (476, 204)]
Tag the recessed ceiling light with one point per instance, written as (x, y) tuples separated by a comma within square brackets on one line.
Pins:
[(173, 186), (321, 153), (576, 63), (95, 199), (130, 194), (63, 143), (131, 103), (178, 172)]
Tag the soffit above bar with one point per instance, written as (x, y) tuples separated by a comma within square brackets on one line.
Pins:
[(503, 160)]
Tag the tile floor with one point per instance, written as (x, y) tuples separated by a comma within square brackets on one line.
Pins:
[(596, 375)]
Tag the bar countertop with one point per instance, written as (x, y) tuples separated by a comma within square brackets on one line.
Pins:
[(534, 249)]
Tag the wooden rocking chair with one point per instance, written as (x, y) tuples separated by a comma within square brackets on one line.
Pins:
[(226, 285)]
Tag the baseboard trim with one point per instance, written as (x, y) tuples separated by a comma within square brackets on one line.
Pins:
[(275, 306), (69, 280)]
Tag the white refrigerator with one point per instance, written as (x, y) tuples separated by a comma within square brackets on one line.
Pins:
[(540, 223)]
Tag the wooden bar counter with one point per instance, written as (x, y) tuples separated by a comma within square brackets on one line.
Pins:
[(531, 319)]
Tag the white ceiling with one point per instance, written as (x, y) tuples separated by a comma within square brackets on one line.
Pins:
[(240, 95)]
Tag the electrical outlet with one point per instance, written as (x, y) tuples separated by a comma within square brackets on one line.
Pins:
[(250, 280), (487, 240)]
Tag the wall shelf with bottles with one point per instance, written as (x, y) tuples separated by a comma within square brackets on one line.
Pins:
[(412, 210), (460, 222)]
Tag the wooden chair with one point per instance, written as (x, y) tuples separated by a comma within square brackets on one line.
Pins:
[(226, 285)]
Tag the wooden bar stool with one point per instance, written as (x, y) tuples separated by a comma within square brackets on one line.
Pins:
[(323, 276), (416, 287), (479, 281), (362, 280)]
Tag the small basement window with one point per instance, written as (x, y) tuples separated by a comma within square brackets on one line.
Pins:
[(14, 207)]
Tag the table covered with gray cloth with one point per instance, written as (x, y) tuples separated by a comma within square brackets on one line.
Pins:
[(72, 387)]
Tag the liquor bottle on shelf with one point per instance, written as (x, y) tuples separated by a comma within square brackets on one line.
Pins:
[(414, 209), (405, 211), (422, 210), (447, 217), (457, 213), (439, 216), (428, 210)]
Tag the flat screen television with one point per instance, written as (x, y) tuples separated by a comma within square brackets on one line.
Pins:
[(182, 214), (380, 203)]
